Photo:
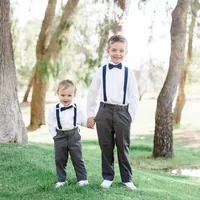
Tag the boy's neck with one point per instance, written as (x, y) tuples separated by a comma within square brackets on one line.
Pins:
[(114, 63), (66, 105)]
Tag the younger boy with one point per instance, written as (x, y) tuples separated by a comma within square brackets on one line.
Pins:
[(118, 91), (63, 119)]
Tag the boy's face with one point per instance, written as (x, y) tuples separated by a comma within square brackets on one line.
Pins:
[(66, 96), (117, 52)]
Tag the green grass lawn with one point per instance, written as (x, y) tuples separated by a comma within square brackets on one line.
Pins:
[(28, 172)]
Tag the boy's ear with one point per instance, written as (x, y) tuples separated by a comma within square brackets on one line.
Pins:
[(107, 50)]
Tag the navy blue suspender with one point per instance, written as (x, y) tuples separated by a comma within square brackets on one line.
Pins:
[(75, 114), (104, 83), (125, 83), (58, 116)]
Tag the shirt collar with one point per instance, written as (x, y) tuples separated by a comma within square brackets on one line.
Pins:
[(61, 105)]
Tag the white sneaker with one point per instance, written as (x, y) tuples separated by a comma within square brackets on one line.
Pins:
[(106, 184), (130, 185), (83, 182), (59, 184)]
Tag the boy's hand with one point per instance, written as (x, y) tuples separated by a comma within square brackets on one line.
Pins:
[(91, 122)]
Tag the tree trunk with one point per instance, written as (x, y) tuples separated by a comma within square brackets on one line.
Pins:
[(38, 102), (180, 102), (116, 28), (48, 50), (39, 83), (163, 138), (12, 127), (29, 86), (123, 4)]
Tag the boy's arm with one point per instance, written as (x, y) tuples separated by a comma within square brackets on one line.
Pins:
[(133, 95), (51, 122), (91, 122), (81, 117), (93, 94)]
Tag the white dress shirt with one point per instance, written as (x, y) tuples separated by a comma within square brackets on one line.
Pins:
[(114, 90), (66, 119)]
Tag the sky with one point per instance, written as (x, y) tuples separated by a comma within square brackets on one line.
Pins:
[(136, 28), (137, 31), (30, 9)]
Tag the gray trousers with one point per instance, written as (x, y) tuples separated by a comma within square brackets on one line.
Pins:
[(66, 142), (113, 127)]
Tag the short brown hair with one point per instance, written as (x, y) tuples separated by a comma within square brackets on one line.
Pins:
[(65, 84), (117, 38)]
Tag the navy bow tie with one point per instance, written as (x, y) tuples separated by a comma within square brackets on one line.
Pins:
[(65, 108), (118, 66)]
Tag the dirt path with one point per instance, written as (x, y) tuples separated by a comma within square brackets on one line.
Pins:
[(190, 138)]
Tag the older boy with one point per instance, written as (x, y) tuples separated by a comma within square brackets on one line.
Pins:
[(118, 91)]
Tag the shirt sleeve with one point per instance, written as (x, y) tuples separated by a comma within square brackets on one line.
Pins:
[(93, 94), (51, 121), (133, 94), (81, 118)]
